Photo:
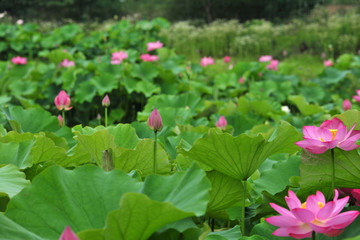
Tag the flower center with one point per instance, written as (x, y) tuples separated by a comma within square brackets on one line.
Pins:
[(333, 133), (321, 205)]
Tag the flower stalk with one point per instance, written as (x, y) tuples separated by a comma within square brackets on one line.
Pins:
[(243, 209), (155, 144)]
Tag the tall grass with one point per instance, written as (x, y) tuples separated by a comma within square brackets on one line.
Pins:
[(321, 32)]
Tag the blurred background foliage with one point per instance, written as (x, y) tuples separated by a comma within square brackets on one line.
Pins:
[(173, 10)]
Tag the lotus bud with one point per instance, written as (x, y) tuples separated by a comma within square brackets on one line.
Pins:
[(346, 105), (68, 234), (222, 123), (106, 101), (62, 101), (61, 120), (154, 121)]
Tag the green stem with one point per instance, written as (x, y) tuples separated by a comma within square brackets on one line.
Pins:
[(155, 151), (63, 117), (333, 169), (243, 209), (106, 113), (313, 235)]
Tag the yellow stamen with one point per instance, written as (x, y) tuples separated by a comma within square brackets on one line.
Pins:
[(303, 205), (333, 132), (321, 205)]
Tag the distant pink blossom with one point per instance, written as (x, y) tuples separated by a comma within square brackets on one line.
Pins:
[(118, 57), (20, 22), (285, 53), (357, 97), (346, 105), (207, 61), (154, 45), (323, 55), (68, 234), (231, 66), (227, 59), (328, 63), (241, 80), (149, 58), (266, 58), (67, 63), (260, 74), (273, 65), (106, 101), (19, 60), (221, 123), (313, 215), (331, 133), (61, 120)]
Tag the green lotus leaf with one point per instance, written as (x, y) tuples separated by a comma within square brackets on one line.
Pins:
[(80, 198), (10, 230), (12, 180), (304, 107), (240, 156)]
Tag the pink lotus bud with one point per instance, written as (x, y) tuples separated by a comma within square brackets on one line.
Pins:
[(149, 58), (154, 121), (346, 105), (323, 55), (207, 61), (68, 234), (106, 101), (285, 53), (19, 60), (62, 101), (222, 123), (67, 63), (154, 45), (227, 59), (61, 120), (273, 65), (328, 63), (241, 80), (266, 58), (260, 74), (357, 97), (98, 117)]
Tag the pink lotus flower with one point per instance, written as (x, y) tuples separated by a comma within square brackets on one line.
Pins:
[(68, 234), (331, 133), (67, 63), (207, 61), (154, 122), (273, 65), (149, 58), (19, 60), (313, 215), (346, 105), (266, 58), (227, 59), (106, 101), (260, 74), (221, 123), (154, 45), (118, 57), (241, 80), (62, 101), (328, 63), (357, 97), (61, 120), (353, 193)]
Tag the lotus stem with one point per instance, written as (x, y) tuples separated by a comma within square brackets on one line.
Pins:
[(106, 114), (155, 143), (63, 117), (313, 235), (243, 209), (333, 170)]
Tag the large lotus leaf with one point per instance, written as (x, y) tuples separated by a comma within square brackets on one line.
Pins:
[(12, 180), (141, 159), (10, 230), (104, 83), (316, 171), (240, 156), (33, 119), (145, 71), (226, 80), (277, 178), (349, 118), (230, 234), (145, 87), (85, 92), (17, 153), (81, 198), (185, 100), (22, 88), (188, 191), (225, 191), (265, 230), (331, 76), (45, 149), (96, 143), (305, 108), (138, 218), (2, 130)]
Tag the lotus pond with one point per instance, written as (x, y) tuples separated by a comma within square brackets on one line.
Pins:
[(111, 135)]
